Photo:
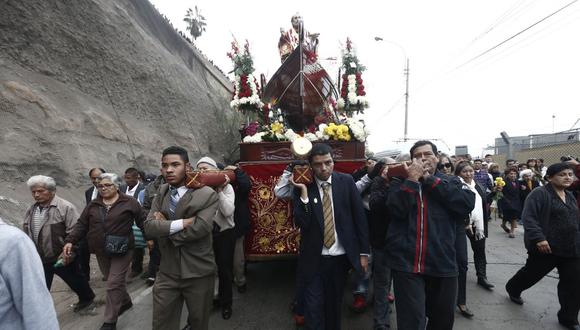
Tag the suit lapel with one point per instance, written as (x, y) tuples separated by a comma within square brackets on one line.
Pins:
[(184, 201), (316, 202)]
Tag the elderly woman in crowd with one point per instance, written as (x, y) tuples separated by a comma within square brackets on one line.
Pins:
[(224, 238), (528, 182), (552, 238), (476, 229), (106, 222), (510, 203)]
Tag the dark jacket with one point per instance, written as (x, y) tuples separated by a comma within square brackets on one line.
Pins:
[(525, 192), (151, 191), (117, 221), (349, 218), (511, 197), (242, 188), (379, 213), (486, 200), (546, 217), (424, 216), (89, 194)]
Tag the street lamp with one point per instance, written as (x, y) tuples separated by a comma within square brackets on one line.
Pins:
[(406, 73)]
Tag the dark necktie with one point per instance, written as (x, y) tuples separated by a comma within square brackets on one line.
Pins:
[(172, 202)]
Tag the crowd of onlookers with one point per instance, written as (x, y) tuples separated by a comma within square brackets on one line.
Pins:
[(194, 239), (402, 223)]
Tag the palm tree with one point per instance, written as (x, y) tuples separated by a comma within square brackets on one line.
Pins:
[(195, 22)]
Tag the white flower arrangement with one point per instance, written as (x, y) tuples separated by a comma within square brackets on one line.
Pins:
[(291, 135), (358, 129), (254, 138), (254, 99), (311, 137)]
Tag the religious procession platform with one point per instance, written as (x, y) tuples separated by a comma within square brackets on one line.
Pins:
[(273, 234)]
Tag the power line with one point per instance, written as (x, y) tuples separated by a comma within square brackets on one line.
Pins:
[(515, 35), (528, 40)]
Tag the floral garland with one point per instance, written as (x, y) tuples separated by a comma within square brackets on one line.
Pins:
[(350, 129), (352, 93), (246, 91)]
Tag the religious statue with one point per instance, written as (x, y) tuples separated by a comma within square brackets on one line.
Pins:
[(289, 39)]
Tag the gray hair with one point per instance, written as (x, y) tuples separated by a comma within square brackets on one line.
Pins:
[(115, 179), (41, 180), (403, 157)]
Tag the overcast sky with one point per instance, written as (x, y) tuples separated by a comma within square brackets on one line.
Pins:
[(516, 87)]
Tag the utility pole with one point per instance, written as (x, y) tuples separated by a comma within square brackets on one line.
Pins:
[(406, 99)]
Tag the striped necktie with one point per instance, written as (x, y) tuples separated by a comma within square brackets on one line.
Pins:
[(172, 202), (329, 238)]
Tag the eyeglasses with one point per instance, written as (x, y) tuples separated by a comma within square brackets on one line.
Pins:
[(440, 166), (106, 185)]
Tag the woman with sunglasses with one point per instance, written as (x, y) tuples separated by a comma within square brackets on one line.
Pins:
[(445, 165), (106, 222), (476, 229)]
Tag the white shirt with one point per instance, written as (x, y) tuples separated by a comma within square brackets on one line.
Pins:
[(131, 191), (95, 193), (336, 249), (177, 225), (224, 216)]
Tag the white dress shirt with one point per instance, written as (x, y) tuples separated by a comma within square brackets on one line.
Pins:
[(131, 191)]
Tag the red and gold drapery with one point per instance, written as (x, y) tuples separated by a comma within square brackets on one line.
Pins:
[(273, 234)]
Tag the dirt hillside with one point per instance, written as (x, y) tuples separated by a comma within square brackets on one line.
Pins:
[(99, 83)]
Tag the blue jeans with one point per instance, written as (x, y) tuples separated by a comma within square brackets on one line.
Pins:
[(361, 284), (382, 285)]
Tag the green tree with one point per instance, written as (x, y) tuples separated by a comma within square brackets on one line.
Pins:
[(195, 22)]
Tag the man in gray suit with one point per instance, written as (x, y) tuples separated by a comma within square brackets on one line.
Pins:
[(181, 219)]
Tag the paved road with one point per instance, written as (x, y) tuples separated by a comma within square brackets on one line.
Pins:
[(270, 289)]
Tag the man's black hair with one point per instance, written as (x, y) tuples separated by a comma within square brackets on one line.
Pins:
[(488, 155), (132, 170), (421, 143), (320, 149), (175, 150), (509, 160), (97, 168)]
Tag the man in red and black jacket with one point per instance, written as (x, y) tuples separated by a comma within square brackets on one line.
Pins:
[(425, 209)]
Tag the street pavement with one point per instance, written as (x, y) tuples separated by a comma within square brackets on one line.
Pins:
[(265, 305)]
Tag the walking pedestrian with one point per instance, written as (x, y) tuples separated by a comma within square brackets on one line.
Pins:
[(425, 209), (106, 222), (48, 222), (475, 227), (334, 237), (510, 203), (224, 239), (181, 219), (552, 238)]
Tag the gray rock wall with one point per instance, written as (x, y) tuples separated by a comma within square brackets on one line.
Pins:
[(99, 83)]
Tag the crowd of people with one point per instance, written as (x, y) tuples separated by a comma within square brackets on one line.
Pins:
[(401, 223)]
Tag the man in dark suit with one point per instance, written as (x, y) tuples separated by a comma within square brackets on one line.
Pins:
[(84, 256), (92, 193), (334, 237)]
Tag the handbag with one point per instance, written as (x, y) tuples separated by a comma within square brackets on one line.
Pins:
[(114, 245)]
